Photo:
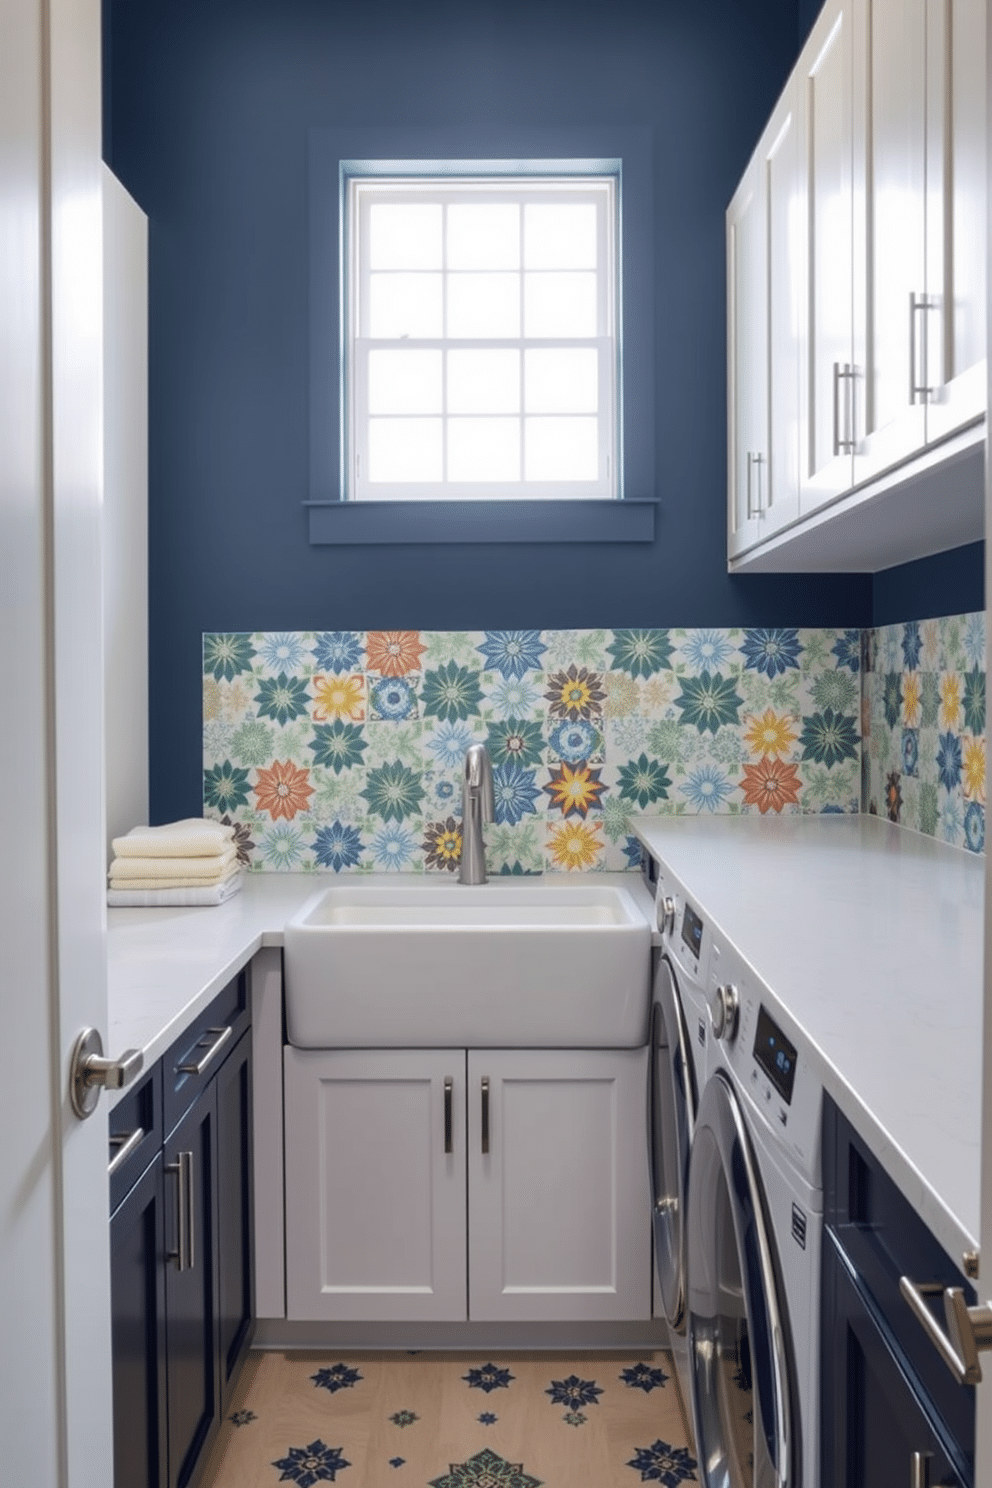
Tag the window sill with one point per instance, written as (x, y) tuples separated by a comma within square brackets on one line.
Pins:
[(344, 523)]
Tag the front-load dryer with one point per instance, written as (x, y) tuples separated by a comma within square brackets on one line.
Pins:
[(753, 1233), (677, 1070)]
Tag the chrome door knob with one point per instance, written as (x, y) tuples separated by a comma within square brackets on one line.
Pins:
[(90, 1072), (724, 1012)]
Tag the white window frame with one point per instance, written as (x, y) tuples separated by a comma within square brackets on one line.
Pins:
[(362, 190)]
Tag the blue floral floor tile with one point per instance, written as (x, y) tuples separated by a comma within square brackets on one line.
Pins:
[(369, 1419)]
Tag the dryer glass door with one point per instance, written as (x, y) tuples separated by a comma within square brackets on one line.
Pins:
[(737, 1343), (671, 1113)]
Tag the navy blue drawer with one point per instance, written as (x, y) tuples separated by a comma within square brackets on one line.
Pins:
[(883, 1238), (199, 1052), (137, 1112)]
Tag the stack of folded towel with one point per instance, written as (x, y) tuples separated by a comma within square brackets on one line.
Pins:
[(184, 862)]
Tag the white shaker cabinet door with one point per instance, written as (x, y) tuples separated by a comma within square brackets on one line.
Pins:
[(765, 272), (956, 231), (891, 325), (559, 1203), (828, 387), (747, 361), (375, 1184)]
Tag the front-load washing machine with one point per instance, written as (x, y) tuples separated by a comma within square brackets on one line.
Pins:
[(677, 1070), (753, 1233)]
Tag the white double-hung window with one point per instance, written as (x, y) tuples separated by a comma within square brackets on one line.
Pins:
[(480, 347)]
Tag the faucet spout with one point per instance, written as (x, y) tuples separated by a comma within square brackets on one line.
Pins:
[(478, 806)]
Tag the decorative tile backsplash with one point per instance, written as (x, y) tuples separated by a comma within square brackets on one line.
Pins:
[(343, 750), (923, 722)]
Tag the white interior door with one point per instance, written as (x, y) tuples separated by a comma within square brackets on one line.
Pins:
[(983, 1454), (55, 1403)]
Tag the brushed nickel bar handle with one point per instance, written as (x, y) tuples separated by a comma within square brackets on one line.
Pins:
[(126, 1143), (218, 1038), (754, 462), (182, 1169), (485, 1115), (919, 1470), (448, 1093), (969, 1329), (836, 408)]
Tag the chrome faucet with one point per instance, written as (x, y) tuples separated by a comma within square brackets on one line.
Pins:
[(477, 807)]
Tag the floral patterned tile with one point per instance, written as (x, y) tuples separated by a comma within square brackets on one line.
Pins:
[(342, 751), (924, 727)]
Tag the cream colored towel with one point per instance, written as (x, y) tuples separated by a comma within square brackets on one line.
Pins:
[(199, 867), (173, 898), (229, 872), (196, 837)]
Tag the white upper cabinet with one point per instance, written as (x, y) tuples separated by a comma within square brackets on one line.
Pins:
[(956, 228), (826, 72), (764, 268), (888, 100)]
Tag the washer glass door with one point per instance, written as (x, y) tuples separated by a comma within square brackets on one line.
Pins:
[(737, 1346), (671, 1114)]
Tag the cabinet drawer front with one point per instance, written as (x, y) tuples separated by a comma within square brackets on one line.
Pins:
[(873, 1419), (883, 1239), (139, 1111), (198, 1053)]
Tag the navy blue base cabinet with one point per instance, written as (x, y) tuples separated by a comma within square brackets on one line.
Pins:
[(181, 1242), (886, 1395)]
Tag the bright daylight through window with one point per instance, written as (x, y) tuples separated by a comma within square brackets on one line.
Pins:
[(481, 347)]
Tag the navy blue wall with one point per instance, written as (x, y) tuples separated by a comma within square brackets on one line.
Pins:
[(209, 107), (948, 584)]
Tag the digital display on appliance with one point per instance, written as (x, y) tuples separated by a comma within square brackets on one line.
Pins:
[(692, 930), (775, 1054)]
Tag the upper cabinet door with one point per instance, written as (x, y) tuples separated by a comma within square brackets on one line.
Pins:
[(891, 320), (765, 261), (956, 233), (828, 401), (747, 361)]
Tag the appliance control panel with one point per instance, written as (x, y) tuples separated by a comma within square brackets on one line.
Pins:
[(683, 929), (766, 1058)]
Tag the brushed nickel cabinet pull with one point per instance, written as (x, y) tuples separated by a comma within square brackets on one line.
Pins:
[(485, 1115), (216, 1038), (182, 1169), (448, 1093), (125, 1143)]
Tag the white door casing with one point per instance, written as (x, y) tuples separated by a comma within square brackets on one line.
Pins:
[(55, 1404)]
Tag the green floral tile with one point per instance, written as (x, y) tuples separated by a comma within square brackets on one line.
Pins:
[(924, 723), (342, 751)]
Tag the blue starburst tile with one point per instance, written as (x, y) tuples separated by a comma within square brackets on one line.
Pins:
[(487, 1418), (336, 1377), (242, 1417), (313, 1464), (574, 1392), (663, 1463), (396, 1461), (488, 1377), (644, 1377)]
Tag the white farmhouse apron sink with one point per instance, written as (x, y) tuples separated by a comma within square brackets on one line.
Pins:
[(497, 965)]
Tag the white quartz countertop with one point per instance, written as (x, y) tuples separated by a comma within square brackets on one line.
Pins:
[(870, 937), (165, 965)]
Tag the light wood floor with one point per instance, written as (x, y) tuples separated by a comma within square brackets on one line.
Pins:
[(454, 1421)]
